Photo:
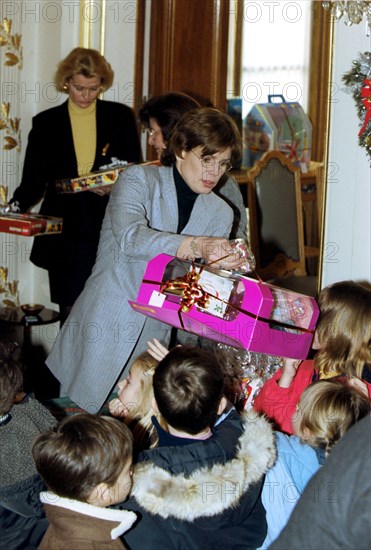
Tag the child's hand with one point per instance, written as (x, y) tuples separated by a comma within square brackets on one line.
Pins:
[(156, 349), (289, 370), (18, 398), (359, 385), (117, 408)]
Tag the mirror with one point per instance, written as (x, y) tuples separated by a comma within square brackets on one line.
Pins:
[(317, 104), (275, 189)]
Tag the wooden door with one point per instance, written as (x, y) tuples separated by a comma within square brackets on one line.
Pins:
[(189, 48)]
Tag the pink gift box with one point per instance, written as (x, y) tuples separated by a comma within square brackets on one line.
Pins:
[(231, 309)]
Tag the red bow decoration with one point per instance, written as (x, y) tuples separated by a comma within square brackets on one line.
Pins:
[(292, 150), (192, 292), (366, 94)]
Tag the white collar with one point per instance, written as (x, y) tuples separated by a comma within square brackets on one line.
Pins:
[(4, 419), (123, 517)]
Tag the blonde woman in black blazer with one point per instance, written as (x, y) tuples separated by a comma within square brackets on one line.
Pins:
[(54, 152)]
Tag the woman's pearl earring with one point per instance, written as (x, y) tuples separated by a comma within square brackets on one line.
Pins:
[(65, 87)]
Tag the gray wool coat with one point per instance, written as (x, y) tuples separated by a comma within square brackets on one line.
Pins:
[(95, 346)]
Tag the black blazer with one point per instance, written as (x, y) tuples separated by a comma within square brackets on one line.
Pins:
[(50, 156)]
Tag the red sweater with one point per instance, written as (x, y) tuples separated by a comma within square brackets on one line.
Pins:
[(279, 404)]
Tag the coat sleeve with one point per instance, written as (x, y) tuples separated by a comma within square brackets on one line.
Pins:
[(138, 231), (41, 416), (34, 180), (117, 132), (143, 213), (230, 192)]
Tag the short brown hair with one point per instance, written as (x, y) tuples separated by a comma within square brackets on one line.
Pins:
[(167, 109), (11, 383), (188, 387), (328, 408), (83, 451), (86, 62), (344, 328), (11, 375), (209, 128)]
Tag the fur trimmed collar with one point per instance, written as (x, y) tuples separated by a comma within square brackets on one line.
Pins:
[(208, 491), (124, 518)]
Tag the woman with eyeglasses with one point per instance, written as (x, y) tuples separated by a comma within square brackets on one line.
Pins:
[(152, 210), (159, 115), (67, 141)]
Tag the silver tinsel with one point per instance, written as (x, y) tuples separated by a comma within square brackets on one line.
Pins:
[(246, 370)]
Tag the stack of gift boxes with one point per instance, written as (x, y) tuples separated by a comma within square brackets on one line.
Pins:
[(282, 126), (95, 180), (29, 225)]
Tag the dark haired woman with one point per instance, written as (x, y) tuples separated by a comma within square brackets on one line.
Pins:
[(159, 115), (152, 210)]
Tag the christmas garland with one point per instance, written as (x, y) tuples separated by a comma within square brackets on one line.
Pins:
[(358, 82)]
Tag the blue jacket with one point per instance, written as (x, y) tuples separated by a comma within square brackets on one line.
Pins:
[(296, 463)]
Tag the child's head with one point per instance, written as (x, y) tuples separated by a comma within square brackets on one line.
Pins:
[(11, 376), (86, 458), (326, 410), (188, 388), (344, 328), (136, 391)]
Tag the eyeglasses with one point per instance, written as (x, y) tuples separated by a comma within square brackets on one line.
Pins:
[(209, 163), (90, 90)]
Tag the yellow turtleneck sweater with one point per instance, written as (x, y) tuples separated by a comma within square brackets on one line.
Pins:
[(84, 131)]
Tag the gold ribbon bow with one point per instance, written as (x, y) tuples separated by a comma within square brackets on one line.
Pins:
[(192, 291)]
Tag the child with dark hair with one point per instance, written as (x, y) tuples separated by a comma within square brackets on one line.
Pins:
[(200, 488), (231, 368), (86, 464), (22, 518), (187, 394)]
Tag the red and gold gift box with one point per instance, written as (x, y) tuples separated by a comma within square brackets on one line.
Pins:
[(231, 309), (95, 180), (90, 181), (30, 225)]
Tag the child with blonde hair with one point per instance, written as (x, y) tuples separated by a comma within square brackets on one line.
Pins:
[(325, 412), (343, 341), (134, 401)]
